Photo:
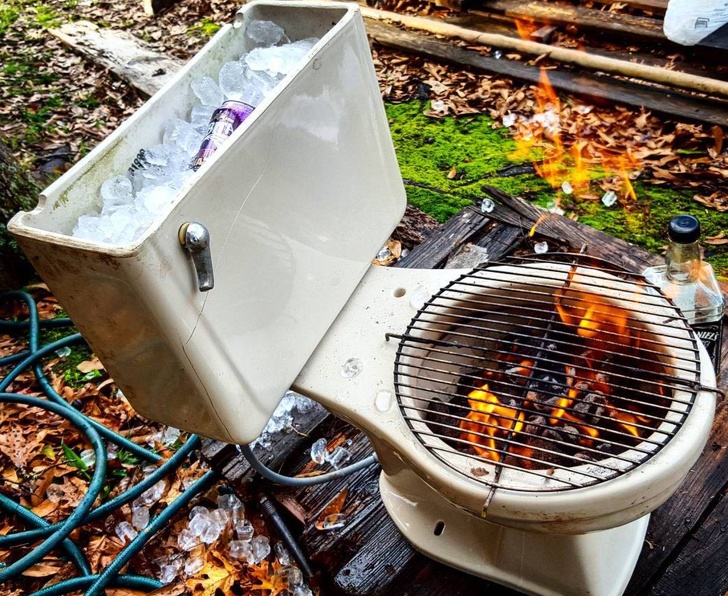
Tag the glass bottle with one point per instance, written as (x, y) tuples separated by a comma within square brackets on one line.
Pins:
[(691, 283)]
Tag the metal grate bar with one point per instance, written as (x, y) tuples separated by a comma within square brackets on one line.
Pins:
[(559, 355), (682, 385), (526, 433)]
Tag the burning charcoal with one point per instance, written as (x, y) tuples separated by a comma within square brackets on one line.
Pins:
[(571, 433), (442, 423), (590, 403), (584, 456), (535, 425)]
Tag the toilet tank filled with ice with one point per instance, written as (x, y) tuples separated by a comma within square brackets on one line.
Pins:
[(206, 246)]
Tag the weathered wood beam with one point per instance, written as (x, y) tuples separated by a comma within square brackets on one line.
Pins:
[(566, 55), (608, 90), (122, 53)]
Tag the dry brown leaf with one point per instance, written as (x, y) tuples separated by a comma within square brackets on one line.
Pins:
[(45, 508), (90, 365), (453, 172), (41, 570)]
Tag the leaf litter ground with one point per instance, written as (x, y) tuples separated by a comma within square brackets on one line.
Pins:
[(55, 107)]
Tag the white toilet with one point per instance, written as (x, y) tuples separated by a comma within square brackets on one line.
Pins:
[(296, 206)]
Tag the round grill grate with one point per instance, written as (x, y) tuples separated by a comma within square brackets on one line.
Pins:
[(546, 373)]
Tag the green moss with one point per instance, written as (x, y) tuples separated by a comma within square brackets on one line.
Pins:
[(428, 149), (204, 29)]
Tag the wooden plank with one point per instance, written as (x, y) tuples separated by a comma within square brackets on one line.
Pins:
[(507, 27), (701, 568), (675, 534), (600, 89), (458, 230), (658, 6), (579, 16), (125, 55)]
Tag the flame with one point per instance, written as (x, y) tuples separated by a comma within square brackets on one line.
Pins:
[(554, 139), (491, 418)]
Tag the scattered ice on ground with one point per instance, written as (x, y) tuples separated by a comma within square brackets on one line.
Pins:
[(318, 451), (125, 532), (509, 120), (609, 198), (487, 206), (540, 247)]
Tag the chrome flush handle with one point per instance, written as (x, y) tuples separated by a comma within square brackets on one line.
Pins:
[(195, 239)]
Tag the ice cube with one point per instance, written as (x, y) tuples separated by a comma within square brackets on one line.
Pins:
[(338, 457), (187, 540), (88, 227), (609, 198), (194, 565), (167, 573), (540, 248), (509, 120), (200, 117), (244, 530), (170, 436), (232, 80), (332, 522), (55, 493), (88, 457), (302, 591), (282, 554), (140, 518), (487, 206), (264, 33), (351, 368), (115, 192), (207, 91), (241, 549), (229, 502), (288, 576), (260, 546), (182, 134), (198, 510), (566, 187), (279, 60), (155, 198), (153, 493), (125, 532), (318, 451)]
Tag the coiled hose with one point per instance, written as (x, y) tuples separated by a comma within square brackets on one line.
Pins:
[(54, 535)]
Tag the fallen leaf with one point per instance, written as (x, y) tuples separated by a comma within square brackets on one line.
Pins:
[(453, 173), (41, 570), (90, 365)]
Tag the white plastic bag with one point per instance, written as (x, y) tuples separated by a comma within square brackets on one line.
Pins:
[(689, 21)]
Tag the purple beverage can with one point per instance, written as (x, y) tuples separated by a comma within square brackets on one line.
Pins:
[(224, 121)]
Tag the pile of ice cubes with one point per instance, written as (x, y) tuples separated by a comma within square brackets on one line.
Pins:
[(283, 417), (133, 200)]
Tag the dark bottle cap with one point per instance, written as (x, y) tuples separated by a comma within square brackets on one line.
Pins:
[(684, 229)]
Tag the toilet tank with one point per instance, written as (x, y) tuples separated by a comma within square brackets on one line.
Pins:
[(297, 203)]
